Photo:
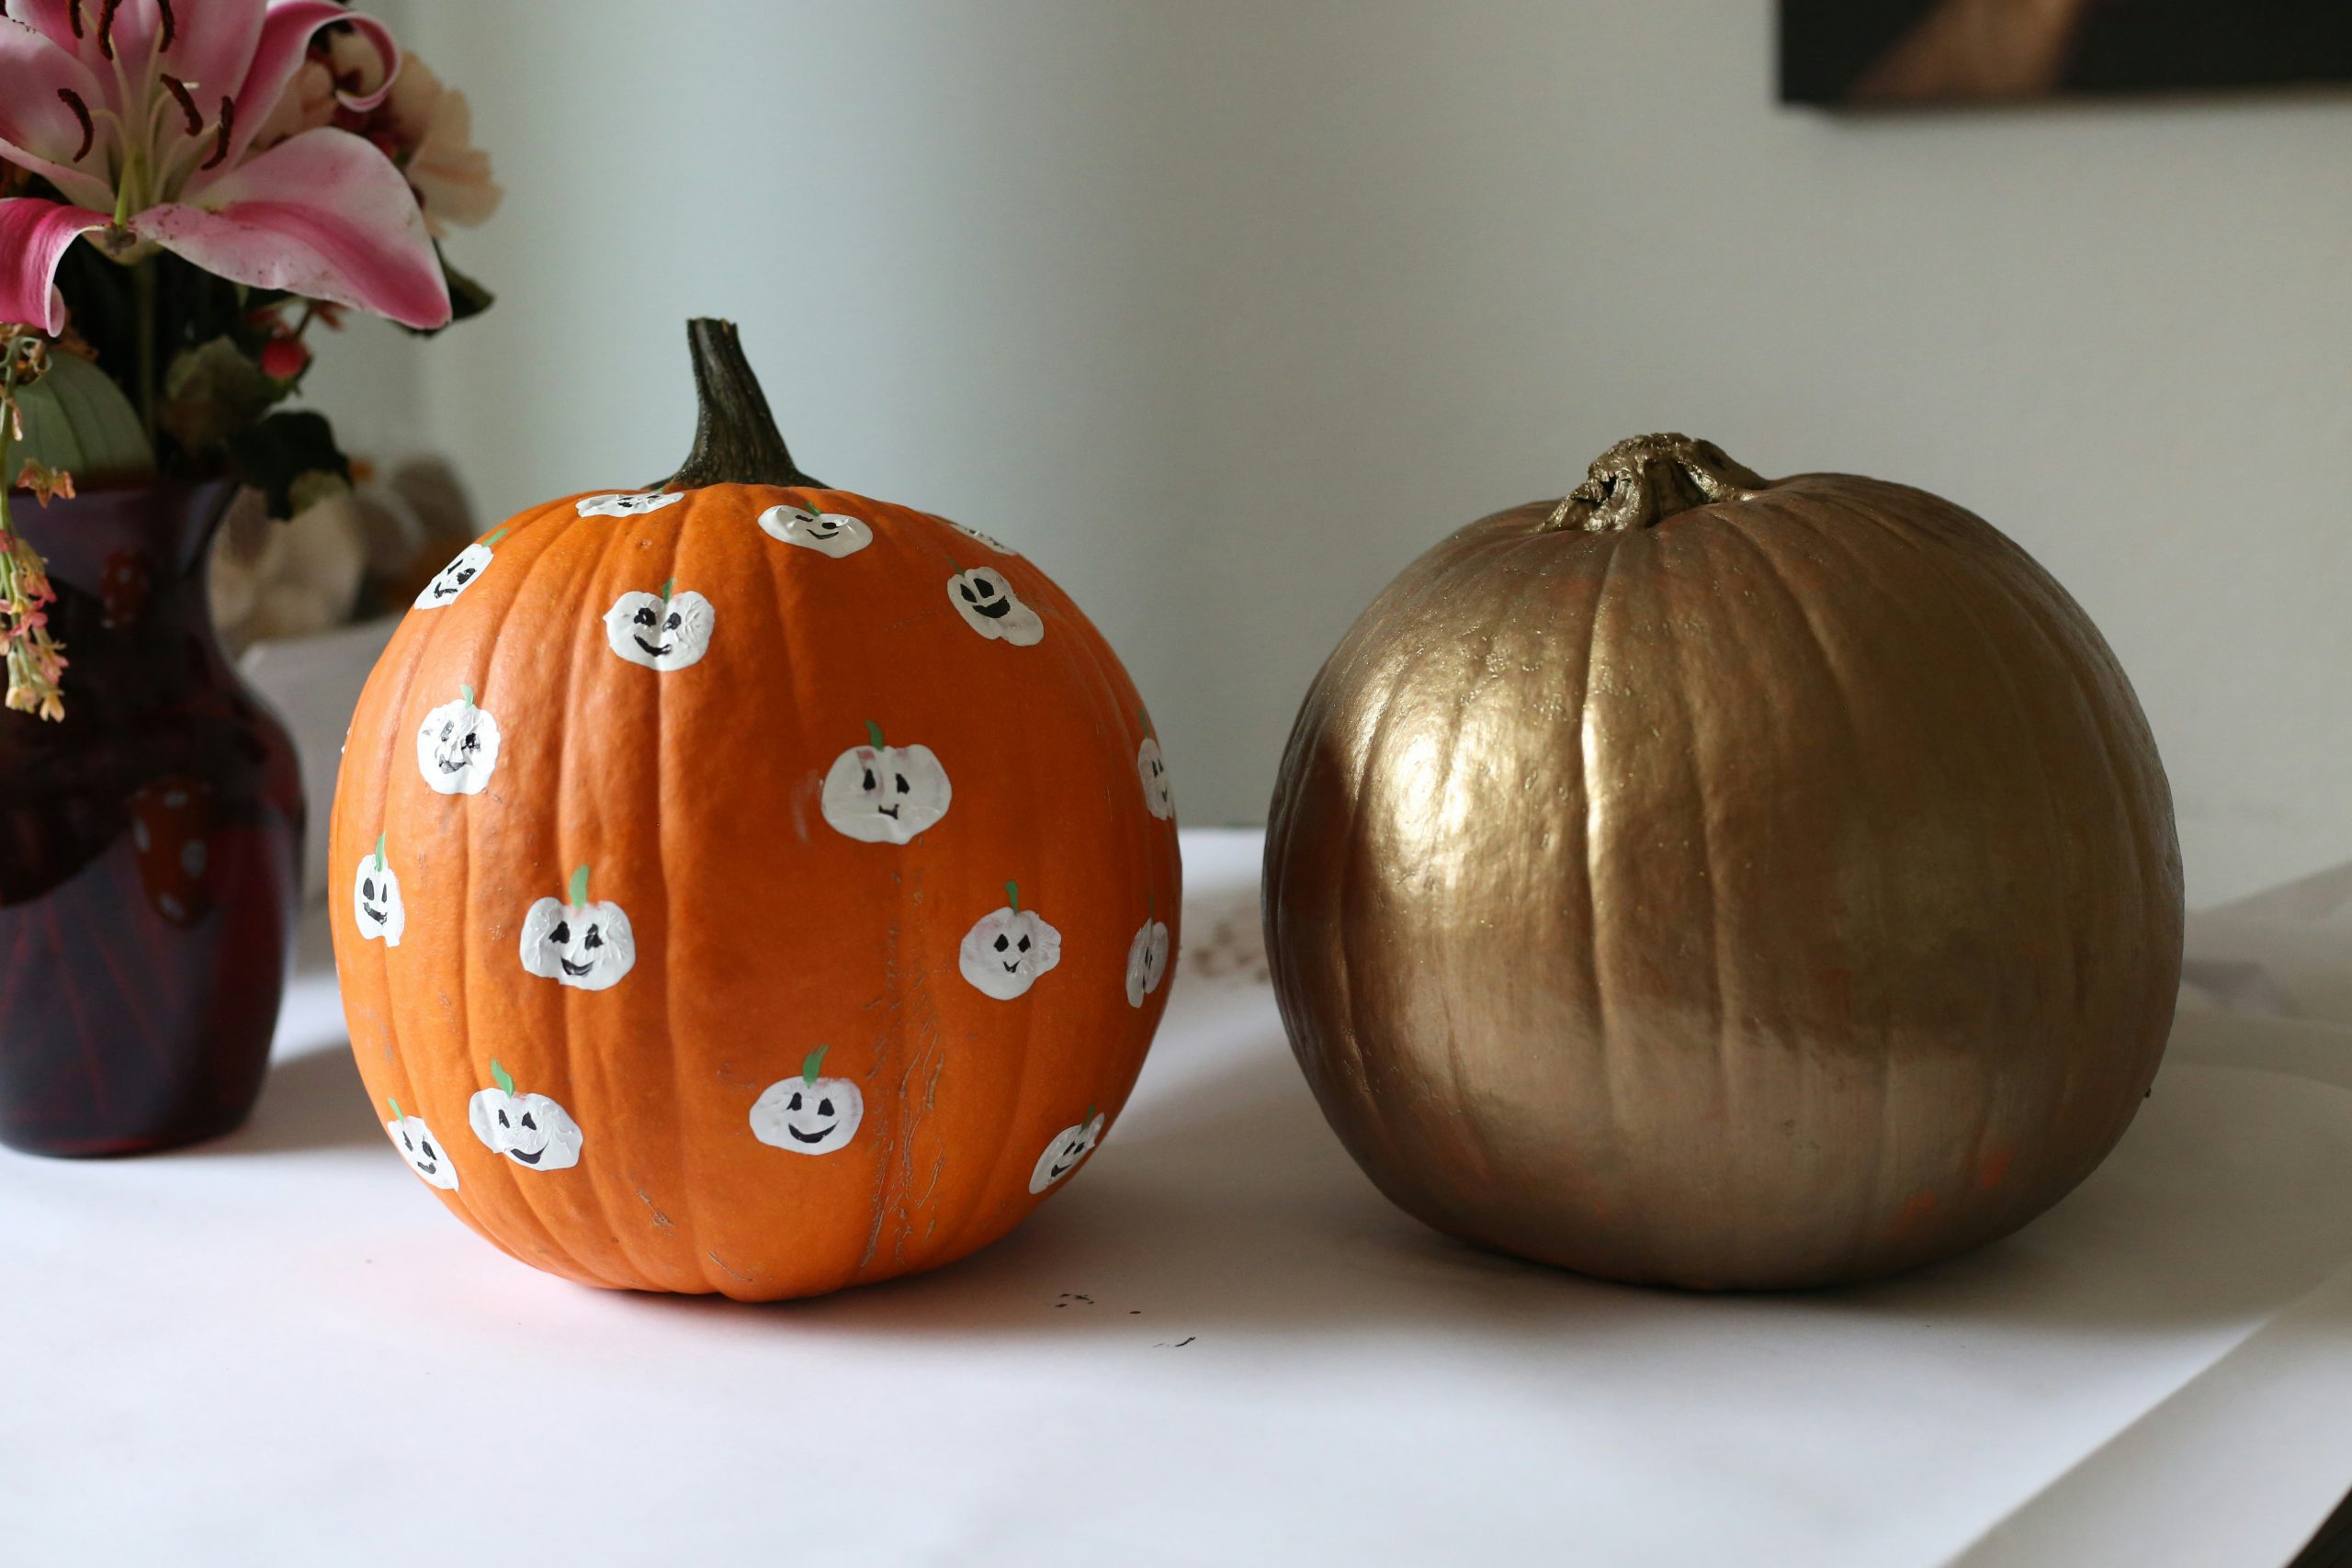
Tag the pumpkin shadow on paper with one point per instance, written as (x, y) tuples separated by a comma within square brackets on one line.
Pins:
[(312, 1100), (1227, 1207)]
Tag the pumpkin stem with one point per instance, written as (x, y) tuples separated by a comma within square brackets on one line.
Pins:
[(666, 588), (379, 850), (809, 1067), (398, 1114), (466, 692), (1641, 482), (493, 539), (579, 888), (1012, 895), (502, 1077), (736, 440), (873, 733)]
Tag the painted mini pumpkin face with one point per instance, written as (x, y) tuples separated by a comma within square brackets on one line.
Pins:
[(658, 633), (1158, 795), (634, 506), (989, 607), (458, 575), (1005, 952), (457, 746), (808, 1114), (529, 1129), (375, 906), (172, 822), (425, 1154), (884, 795), (1070, 1146), (1147, 960), (574, 942), (834, 534)]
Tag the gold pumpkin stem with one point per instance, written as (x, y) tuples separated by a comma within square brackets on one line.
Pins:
[(1641, 482), (736, 440)]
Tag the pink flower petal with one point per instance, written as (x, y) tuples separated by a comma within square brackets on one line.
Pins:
[(284, 38), (38, 129), (34, 235), (212, 44), (52, 18), (323, 215)]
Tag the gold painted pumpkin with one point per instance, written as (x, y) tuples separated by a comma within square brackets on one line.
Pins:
[(1724, 883), (745, 878)]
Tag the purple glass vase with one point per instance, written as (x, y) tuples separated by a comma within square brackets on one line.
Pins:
[(150, 846)]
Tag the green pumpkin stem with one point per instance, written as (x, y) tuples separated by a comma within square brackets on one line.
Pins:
[(379, 850), (502, 1077), (578, 891), (502, 532), (398, 1114), (815, 1060), (873, 733), (466, 692), (666, 588), (736, 440), (1012, 893)]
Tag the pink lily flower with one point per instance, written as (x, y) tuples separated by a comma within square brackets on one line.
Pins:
[(142, 114)]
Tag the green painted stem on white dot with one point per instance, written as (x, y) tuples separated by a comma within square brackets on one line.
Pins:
[(579, 888), (873, 733), (666, 589), (379, 850), (1091, 1113), (502, 1077), (466, 692), (1013, 892), (493, 539), (398, 1114), (812, 1064)]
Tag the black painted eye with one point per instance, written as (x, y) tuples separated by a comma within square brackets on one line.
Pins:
[(646, 618), (795, 1101), (675, 621), (473, 741), (430, 1152), (824, 1107), (503, 1121), (368, 889), (903, 788), (1001, 944), (406, 1142), (1024, 944), (464, 577), (561, 935), (449, 729), (528, 1124), (966, 590), (869, 780), (595, 938)]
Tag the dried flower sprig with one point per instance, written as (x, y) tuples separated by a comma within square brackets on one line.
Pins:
[(36, 660)]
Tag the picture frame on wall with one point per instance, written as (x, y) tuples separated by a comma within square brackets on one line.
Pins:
[(1896, 53)]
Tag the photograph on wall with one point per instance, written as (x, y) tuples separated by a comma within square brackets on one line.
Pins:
[(1868, 53)]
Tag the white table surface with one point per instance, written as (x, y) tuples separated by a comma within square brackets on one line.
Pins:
[(1218, 1344)]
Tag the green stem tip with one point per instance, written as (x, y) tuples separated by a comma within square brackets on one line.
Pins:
[(667, 588), (578, 891), (466, 692), (1012, 893), (492, 541), (874, 734), (502, 1077), (379, 852), (809, 1067), (398, 1114)]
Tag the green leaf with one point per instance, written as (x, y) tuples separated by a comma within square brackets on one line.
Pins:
[(502, 1077), (277, 455), (1012, 893), (468, 298), (580, 888), (874, 734), (379, 850), (815, 1060), (78, 422)]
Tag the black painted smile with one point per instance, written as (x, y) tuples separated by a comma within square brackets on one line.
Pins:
[(816, 1137), (532, 1158), (1057, 1172), (889, 811), (660, 652), (456, 767), (575, 970), (371, 913), (1013, 967), (995, 610)]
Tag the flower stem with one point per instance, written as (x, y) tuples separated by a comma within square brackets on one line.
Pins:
[(144, 284)]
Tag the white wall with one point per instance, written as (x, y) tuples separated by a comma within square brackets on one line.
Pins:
[(1223, 310)]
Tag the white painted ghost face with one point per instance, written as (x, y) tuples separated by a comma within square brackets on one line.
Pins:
[(1070, 1145), (425, 1153), (1158, 795), (661, 631), (375, 899), (991, 541), (989, 607), (458, 575), (834, 534), (884, 795), (529, 1129), (1008, 949), (1147, 960), (457, 746), (808, 1114), (574, 942), (635, 505)]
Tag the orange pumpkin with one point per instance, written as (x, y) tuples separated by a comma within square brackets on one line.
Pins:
[(745, 879)]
